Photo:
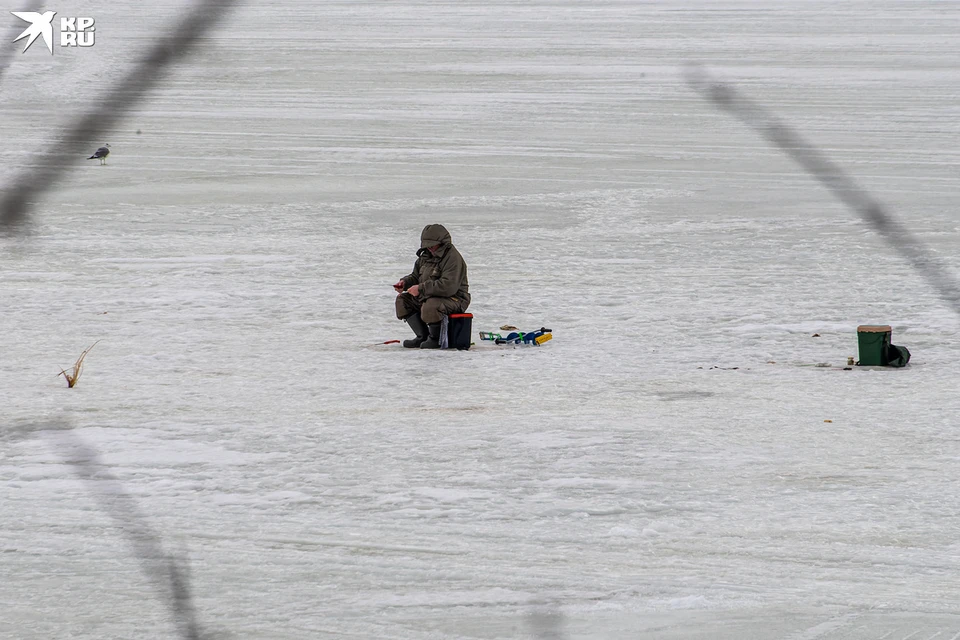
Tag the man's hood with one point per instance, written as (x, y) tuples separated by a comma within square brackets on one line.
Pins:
[(434, 234)]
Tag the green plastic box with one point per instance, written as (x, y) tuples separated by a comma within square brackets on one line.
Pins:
[(874, 344)]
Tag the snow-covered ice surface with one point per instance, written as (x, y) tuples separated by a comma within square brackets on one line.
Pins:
[(663, 468)]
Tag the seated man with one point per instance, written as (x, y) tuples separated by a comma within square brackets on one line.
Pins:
[(437, 287)]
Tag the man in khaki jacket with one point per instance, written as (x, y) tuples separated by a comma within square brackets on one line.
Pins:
[(436, 287)]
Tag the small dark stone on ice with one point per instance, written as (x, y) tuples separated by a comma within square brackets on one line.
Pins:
[(816, 335)]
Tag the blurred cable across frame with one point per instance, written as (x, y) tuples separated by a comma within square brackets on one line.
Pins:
[(17, 199), (168, 574), (813, 161)]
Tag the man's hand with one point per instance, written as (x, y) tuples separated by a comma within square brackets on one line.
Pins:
[(414, 290), (399, 286)]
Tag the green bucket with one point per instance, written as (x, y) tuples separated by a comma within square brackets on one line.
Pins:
[(874, 344)]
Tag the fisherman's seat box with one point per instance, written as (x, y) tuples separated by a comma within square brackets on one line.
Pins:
[(459, 328), (874, 344)]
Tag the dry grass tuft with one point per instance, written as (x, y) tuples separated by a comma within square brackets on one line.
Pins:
[(78, 365)]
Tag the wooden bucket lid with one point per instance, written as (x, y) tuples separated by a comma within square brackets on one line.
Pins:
[(874, 328)]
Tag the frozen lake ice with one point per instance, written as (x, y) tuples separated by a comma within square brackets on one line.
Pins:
[(662, 469)]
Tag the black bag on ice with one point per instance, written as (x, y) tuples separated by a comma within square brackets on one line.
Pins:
[(897, 356)]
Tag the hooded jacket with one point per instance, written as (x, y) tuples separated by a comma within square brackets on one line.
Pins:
[(442, 274)]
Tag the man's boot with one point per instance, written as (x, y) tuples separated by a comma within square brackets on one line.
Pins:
[(433, 341), (416, 323)]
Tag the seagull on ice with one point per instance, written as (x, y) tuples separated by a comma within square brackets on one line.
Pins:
[(101, 154), (41, 24)]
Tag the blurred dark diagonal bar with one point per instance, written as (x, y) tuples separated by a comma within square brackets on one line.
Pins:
[(42, 176), (168, 575), (781, 135), (9, 53)]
